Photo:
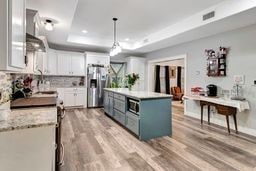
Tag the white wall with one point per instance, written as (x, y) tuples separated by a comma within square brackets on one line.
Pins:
[(176, 62), (240, 60)]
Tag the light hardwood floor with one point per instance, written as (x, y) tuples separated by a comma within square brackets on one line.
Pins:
[(95, 142)]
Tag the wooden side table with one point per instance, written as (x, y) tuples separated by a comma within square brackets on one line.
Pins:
[(223, 110)]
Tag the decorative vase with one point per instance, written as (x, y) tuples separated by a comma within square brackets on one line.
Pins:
[(129, 87)]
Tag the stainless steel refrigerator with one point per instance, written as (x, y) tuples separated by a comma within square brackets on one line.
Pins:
[(96, 81)]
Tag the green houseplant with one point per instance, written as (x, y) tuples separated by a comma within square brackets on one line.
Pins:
[(131, 79)]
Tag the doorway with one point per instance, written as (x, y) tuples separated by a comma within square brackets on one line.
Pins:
[(176, 77)]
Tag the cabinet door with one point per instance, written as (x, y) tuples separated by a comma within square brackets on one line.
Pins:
[(61, 93), (100, 60), (64, 63), (69, 99), (111, 106), (80, 98), (106, 102), (77, 64), (52, 62), (40, 57), (17, 29)]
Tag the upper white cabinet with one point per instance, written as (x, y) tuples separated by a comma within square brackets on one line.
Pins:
[(40, 62), (55, 62), (137, 65), (52, 62), (13, 37), (71, 63), (64, 63), (97, 59), (77, 64)]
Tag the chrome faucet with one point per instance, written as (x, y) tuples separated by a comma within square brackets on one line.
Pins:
[(41, 80)]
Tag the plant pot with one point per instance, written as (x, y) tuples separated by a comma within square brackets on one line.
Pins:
[(130, 87)]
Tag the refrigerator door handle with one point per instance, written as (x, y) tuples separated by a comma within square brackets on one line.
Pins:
[(100, 86)]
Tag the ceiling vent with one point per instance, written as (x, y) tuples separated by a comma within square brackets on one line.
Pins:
[(209, 15)]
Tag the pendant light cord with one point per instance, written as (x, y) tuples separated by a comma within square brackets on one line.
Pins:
[(115, 19)]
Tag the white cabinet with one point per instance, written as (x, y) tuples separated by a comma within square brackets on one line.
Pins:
[(80, 98), (13, 37), (70, 63), (55, 62), (46, 62), (28, 149), (72, 96), (137, 65), (69, 98), (64, 61), (77, 64), (97, 58), (51, 68), (40, 62)]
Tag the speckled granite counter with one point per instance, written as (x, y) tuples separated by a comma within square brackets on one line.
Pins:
[(138, 94), (29, 118)]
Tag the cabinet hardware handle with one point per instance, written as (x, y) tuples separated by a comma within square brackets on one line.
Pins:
[(63, 154)]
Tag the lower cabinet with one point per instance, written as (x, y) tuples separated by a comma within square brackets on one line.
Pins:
[(108, 104), (132, 122), (72, 96), (119, 105), (28, 149), (119, 116), (115, 106)]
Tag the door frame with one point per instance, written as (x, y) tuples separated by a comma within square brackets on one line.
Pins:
[(151, 73)]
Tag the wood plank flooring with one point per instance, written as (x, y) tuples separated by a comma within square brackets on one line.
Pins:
[(94, 142)]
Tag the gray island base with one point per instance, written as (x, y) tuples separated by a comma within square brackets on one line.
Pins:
[(146, 114)]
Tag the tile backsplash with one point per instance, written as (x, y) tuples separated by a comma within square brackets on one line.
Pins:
[(55, 81), (5, 87), (64, 81)]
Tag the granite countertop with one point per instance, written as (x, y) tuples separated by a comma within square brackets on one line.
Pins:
[(138, 94), (40, 92), (28, 118)]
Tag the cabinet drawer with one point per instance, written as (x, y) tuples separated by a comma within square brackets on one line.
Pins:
[(119, 116), (132, 122), (119, 105), (119, 96)]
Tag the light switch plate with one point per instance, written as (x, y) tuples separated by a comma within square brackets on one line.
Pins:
[(239, 79)]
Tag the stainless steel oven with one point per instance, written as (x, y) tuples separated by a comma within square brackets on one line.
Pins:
[(134, 106)]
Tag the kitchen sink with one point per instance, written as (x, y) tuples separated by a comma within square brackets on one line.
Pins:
[(46, 92)]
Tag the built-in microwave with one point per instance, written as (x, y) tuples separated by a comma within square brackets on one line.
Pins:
[(134, 106)]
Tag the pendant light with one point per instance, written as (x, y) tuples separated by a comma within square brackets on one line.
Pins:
[(116, 48)]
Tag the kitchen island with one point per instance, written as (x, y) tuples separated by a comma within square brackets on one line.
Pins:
[(147, 115)]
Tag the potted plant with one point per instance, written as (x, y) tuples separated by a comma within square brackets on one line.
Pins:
[(131, 79)]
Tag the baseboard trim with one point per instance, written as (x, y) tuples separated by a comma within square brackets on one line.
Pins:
[(222, 123)]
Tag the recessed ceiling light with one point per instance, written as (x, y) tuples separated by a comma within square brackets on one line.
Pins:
[(127, 39), (48, 25), (84, 31)]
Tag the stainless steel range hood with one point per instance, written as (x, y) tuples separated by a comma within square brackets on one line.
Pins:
[(32, 42)]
